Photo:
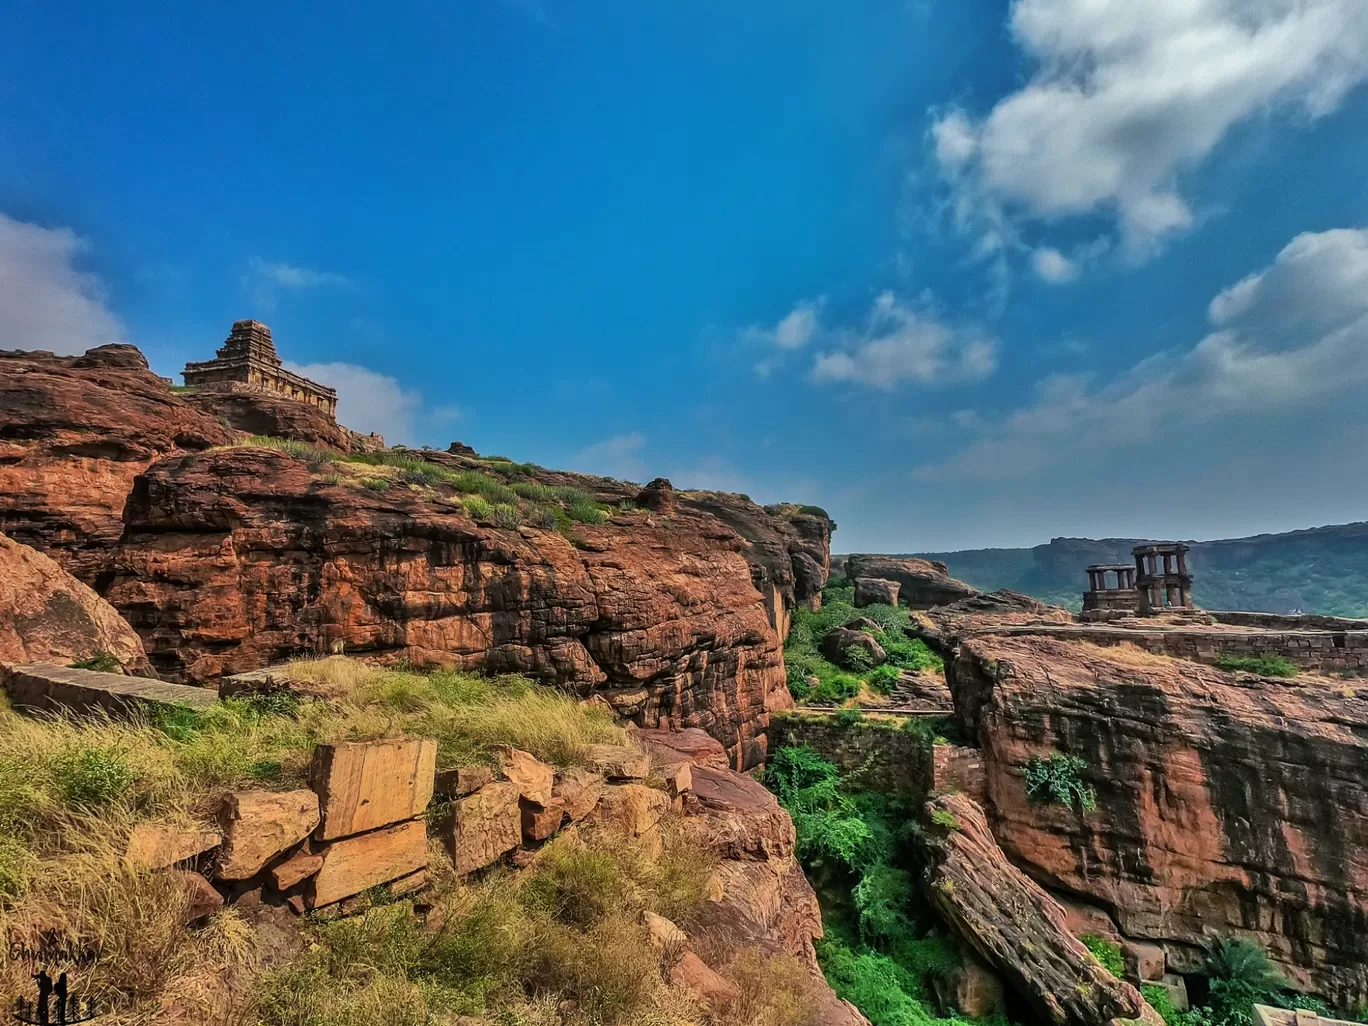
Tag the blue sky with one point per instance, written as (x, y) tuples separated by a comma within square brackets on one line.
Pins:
[(964, 274)]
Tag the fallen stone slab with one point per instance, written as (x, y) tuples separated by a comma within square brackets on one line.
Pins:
[(357, 863), (259, 825), (154, 845), (484, 827), (51, 688)]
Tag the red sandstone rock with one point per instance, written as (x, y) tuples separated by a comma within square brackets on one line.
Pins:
[(532, 777), (840, 640), (618, 763), (923, 583), (1226, 804), (273, 415), (692, 972), (541, 821), (259, 825), (74, 433), (579, 790), (200, 897), (46, 615), (356, 863), (238, 558), (691, 745), (484, 827), (461, 781), (159, 845), (1013, 925), (870, 591), (365, 785)]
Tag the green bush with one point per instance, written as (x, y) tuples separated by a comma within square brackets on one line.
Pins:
[(882, 679), (375, 484), (1265, 666), (1055, 780), (589, 512), (945, 819), (543, 517), (478, 507), (849, 717), (506, 515), (857, 660), (1240, 976), (1107, 952), (90, 776)]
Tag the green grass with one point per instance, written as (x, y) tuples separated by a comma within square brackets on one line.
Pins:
[(1264, 666), (102, 662), (1107, 952)]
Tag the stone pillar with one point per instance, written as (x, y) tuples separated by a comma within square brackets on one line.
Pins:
[(1182, 562)]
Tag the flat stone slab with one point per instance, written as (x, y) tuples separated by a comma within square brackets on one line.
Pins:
[(53, 688)]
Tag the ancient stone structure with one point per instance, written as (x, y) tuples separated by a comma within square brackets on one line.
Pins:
[(247, 362), (1104, 600), (1162, 577)]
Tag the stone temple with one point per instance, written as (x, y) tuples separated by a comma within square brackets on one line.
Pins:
[(247, 362), (1159, 582)]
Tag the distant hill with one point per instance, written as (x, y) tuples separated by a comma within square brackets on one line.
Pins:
[(1320, 570)]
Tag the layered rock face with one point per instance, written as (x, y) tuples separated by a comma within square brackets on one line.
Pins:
[(923, 583), (237, 558), (74, 432), (1225, 804), (46, 615), (257, 414)]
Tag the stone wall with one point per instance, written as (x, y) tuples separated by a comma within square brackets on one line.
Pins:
[(1288, 622), (877, 753), (1321, 651)]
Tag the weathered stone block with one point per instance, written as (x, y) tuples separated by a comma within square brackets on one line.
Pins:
[(533, 777), (353, 864), (580, 790), (618, 763), (484, 827), (366, 785), (461, 781), (540, 822), (259, 825), (870, 591), (53, 688), (295, 869), (159, 845)]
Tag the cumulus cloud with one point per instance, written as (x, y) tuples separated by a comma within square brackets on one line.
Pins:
[(901, 343), (1286, 340), (367, 401), (794, 330), (1128, 96), (47, 301), (1053, 266), (620, 456)]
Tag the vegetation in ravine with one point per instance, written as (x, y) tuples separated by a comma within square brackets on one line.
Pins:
[(502, 493), (882, 951), (1054, 779), (858, 676), (560, 943)]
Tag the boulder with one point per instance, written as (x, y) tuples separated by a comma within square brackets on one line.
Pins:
[(618, 763), (658, 497), (534, 778), (295, 869), (689, 745), (1011, 923), (678, 779), (629, 810), (922, 583), (159, 845), (739, 818), (484, 827), (200, 897), (579, 790), (541, 821), (873, 591), (973, 991), (461, 781), (259, 825), (46, 615), (663, 934), (692, 972), (361, 861), (363, 785), (836, 643)]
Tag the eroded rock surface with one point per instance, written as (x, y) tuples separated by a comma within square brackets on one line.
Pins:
[(46, 615), (1011, 923), (256, 413), (74, 433), (1225, 803), (923, 583)]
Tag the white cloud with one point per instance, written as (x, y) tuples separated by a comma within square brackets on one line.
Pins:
[(367, 401), (795, 329), (1053, 266), (1127, 96), (46, 302), (619, 456), (901, 343), (1286, 341), (266, 279)]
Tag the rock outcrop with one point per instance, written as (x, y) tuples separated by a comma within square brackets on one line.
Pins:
[(46, 615), (871, 591), (1011, 923), (237, 558), (1226, 804), (923, 583), (255, 413), (74, 433)]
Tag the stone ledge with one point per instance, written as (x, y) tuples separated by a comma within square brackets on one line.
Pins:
[(53, 688)]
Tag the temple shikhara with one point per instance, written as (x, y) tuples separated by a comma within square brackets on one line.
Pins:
[(1159, 582), (247, 362)]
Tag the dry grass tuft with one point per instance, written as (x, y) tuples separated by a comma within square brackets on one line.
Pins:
[(1128, 654)]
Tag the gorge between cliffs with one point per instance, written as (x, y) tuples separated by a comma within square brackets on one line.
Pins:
[(303, 729)]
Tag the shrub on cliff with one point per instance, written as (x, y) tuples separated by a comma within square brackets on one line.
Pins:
[(1055, 779)]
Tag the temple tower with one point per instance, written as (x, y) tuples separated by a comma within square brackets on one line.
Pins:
[(247, 362), (1162, 578)]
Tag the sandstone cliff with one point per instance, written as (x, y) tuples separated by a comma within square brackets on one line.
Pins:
[(74, 432), (1225, 803)]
